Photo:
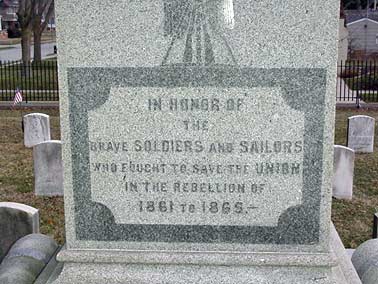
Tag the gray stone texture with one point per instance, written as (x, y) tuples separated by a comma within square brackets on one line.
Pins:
[(37, 246), (191, 274), (48, 169), (371, 275), (36, 129), (16, 221), (344, 272), (275, 60), (350, 252), (26, 259), (365, 257), (294, 70), (289, 221), (194, 267), (51, 271), (20, 270), (361, 133), (343, 172)]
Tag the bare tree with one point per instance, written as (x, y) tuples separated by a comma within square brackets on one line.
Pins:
[(25, 18), (42, 12)]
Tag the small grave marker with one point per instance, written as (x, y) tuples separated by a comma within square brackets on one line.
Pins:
[(360, 136), (48, 169), (36, 129), (16, 220), (343, 171)]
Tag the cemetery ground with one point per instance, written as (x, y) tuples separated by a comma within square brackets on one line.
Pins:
[(353, 219), (16, 171)]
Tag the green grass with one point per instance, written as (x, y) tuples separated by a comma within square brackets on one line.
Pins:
[(364, 82), (16, 172), (369, 98), (353, 219), (6, 47), (42, 76), (10, 41)]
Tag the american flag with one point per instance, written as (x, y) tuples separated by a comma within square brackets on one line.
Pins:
[(17, 97)]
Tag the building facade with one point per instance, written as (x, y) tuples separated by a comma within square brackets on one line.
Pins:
[(8, 13)]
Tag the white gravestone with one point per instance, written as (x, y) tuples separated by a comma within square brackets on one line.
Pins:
[(343, 168), (361, 133), (16, 220), (36, 129), (48, 169)]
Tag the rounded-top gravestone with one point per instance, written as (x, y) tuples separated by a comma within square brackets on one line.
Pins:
[(26, 259), (365, 256), (343, 170), (16, 221), (36, 128), (361, 133)]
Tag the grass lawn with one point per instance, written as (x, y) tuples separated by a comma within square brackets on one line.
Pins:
[(10, 41), (6, 47), (16, 172), (353, 219), (369, 98)]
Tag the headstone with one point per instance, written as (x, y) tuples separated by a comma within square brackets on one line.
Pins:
[(361, 133), (37, 246), (36, 128), (48, 169), (198, 148), (26, 259), (365, 256), (16, 220), (371, 275), (343, 170), (20, 270)]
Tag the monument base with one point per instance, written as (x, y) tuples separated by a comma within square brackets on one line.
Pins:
[(113, 267)]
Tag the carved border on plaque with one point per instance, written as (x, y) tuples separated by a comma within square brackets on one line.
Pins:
[(303, 89)]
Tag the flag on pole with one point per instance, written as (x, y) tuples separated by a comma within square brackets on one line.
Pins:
[(17, 97)]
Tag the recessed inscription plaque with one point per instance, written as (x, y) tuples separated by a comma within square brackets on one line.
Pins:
[(187, 154), (196, 157)]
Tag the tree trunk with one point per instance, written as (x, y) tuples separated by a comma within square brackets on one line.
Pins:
[(37, 47), (25, 47)]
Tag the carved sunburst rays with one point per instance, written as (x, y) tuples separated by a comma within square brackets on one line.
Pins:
[(197, 23), (228, 13)]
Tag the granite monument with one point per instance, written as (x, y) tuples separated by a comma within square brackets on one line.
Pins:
[(199, 147)]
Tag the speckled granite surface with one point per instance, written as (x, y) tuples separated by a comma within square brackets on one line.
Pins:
[(194, 129)]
